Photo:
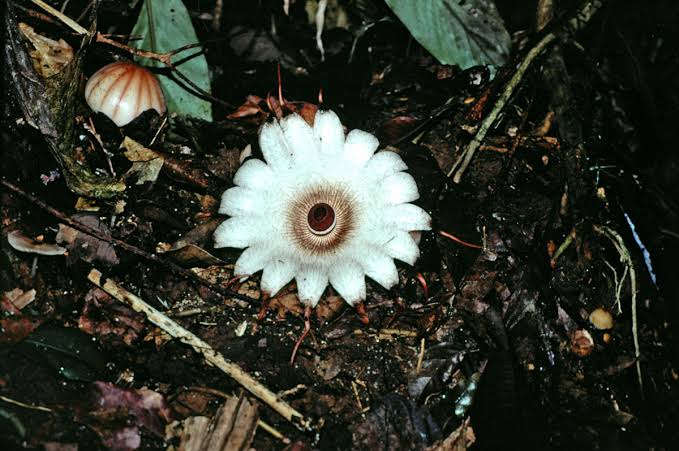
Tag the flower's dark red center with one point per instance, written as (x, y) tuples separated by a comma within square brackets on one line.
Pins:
[(321, 219)]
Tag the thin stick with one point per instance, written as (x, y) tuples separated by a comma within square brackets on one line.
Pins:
[(176, 269), (420, 358), (24, 405), (626, 260), (209, 354), (72, 24), (582, 17)]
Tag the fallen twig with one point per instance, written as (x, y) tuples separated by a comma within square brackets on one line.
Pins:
[(72, 24), (24, 405), (581, 18), (211, 356)]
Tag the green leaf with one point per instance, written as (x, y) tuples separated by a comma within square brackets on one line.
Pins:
[(466, 33), (69, 351), (165, 25)]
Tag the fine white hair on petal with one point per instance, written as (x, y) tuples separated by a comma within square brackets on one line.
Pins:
[(348, 279), (408, 217), (329, 130), (360, 146), (253, 174), (251, 260), (384, 164), (237, 232), (301, 139), (277, 274), (380, 267), (399, 188), (275, 148), (311, 283), (239, 201), (402, 247)]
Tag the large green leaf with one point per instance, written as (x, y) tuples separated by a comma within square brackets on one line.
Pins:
[(165, 25), (466, 33)]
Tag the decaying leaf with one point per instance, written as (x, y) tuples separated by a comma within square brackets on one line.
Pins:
[(69, 352), (84, 246), (286, 303), (49, 105), (146, 164), (108, 320), (14, 326), (114, 407), (231, 429), (23, 243), (396, 423), (460, 439), (49, 56), (20, 298), (191, 256)]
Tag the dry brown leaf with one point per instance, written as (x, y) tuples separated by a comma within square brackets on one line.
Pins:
[(49, 56), (84, 246), (460, 439), (286, 303), (146, 163), (190, 256)]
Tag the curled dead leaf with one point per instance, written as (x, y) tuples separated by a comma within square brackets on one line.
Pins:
[(49, 56)]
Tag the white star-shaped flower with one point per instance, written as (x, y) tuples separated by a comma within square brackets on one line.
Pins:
[(322, 208)]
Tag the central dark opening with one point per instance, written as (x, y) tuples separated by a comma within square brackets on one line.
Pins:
[(321, 218)]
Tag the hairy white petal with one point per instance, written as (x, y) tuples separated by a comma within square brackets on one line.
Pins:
[(277, 274), (380, 267), (240, 201), (359, 147), (235, 232), (254, 174), (310, 166), (251, 260), (384, 164), (348, 279), (402, 247), (399, 188), (408, 217), (329, 130), (275, 148), (311, 283), (301, 139)]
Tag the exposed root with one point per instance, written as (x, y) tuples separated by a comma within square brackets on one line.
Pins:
[(457, 240), (307, 328)]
